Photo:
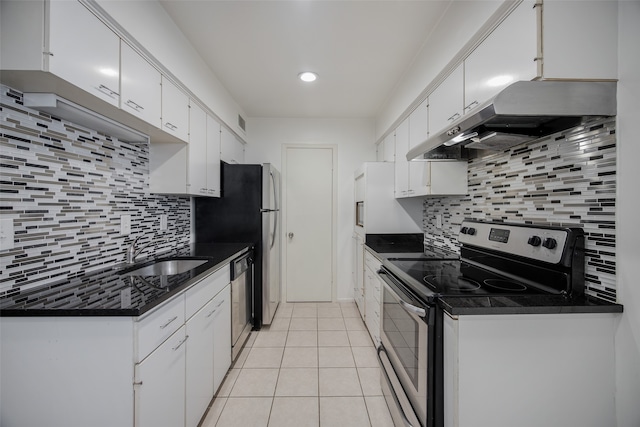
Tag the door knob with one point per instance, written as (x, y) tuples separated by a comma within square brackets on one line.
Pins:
[(290, 235)]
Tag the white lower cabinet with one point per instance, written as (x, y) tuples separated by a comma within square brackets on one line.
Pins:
[(358, 273), (208, 354), (160, 384), (221, 337), (529, 370), (372, 291), (159, 369)]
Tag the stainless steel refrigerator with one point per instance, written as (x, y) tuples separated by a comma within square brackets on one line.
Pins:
[(248, 211)]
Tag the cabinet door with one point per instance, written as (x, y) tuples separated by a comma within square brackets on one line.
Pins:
[(448, 177), (580, 42), (199, 373), (446, 101), (402, 165), (160, 394), (213, 157), (419, 177), (506, 56), (175, 110), (418, 125), (359, 266), (231, 150), (197, 148), (372, 291), (84, 51), (390, 148), (140, 85), (221, 335)]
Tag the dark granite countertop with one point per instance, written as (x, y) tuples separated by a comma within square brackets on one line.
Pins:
[(107, 293), (406, 246)]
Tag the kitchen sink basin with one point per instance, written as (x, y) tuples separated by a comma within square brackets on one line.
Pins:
[(166, 267)]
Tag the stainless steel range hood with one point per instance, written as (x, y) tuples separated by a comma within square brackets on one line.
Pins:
[(524, 111)]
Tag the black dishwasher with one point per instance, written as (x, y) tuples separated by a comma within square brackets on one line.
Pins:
[(241, 301)]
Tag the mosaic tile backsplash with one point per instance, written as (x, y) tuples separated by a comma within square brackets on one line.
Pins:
[(66, 188), (565, 179)]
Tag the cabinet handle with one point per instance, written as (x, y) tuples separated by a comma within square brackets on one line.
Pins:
[(470, 106), (220, 303), (455, 116), (135, 106), (211, 313), (171, 126), (180, 343), (107, 91), (167, 324)]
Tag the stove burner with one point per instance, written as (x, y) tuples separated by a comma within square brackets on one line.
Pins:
[(459, 283), (505, 285)]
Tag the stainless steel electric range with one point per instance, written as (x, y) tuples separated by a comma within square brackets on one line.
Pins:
[(497, 261)]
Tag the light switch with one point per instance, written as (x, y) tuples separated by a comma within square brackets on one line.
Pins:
[(163, 222), (125, 225), (7, 234), (439, 221)]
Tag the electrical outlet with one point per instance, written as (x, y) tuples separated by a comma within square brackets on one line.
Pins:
[(7, 234), (163, 222), (439, 221), (125, 225)]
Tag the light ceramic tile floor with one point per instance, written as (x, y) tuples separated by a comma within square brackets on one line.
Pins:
[(315, 365)]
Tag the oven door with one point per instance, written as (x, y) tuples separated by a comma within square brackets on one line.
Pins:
[(406, 354)]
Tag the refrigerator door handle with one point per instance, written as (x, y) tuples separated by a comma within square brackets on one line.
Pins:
[(275, 208)]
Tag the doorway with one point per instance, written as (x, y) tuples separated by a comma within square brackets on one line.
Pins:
[(309, 190)]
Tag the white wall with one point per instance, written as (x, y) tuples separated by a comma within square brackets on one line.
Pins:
[(628, 329), (461, 21), (149, 24), (354, 139)]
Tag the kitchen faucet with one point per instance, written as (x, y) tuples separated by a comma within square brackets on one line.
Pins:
[(132, 253)]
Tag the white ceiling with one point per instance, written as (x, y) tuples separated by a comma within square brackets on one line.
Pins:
[(359, 48)]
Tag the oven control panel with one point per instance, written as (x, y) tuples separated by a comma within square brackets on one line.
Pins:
[(540, 243)]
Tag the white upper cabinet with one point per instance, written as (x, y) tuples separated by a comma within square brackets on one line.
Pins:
[(191, 169), (140, 86), (418, 125), (390, 148), (213, 157), (86, 53), (437, 177), (175, 110), (446, 101), (506, 56), (231, 148), (197, 151), (579, 40), (402, 165)]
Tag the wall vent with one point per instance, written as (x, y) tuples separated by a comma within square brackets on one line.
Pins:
[(242, 123)]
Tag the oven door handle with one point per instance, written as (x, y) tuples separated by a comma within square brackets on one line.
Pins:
[(412, 308), (409, 308)]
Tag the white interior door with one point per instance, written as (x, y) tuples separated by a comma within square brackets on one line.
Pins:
[(309, 223)]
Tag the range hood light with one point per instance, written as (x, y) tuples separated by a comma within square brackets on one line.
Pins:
[(498, 81), (460, 138)]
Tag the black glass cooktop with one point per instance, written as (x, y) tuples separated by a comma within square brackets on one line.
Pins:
[(458, 277)]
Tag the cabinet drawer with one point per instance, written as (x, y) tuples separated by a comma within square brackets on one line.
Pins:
[(200, 293), (155, 328), (372, 262)]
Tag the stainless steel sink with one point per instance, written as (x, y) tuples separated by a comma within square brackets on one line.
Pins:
[(166, 267)]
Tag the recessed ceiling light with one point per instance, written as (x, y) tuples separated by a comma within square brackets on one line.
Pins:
[(307, 76)]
